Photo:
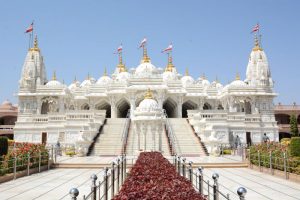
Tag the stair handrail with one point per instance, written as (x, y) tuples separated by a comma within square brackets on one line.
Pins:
[(170, 134), (125, 132)]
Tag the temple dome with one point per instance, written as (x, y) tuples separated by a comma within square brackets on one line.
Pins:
[(87, 82), (54, 83), (123, 76), (148, 103), (167, 76), (145, 69), (104, 80), (74, 85), (187, 79)]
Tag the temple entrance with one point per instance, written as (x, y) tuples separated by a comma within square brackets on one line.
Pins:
[(44, 137), (104, 106), (248, 138), (170, 107), (122, 108), (188, 105), (45, 108)]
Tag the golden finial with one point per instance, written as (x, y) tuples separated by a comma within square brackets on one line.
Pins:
[(121, 66), (149, 94), (170, 65), (88, 77), (237, 77), (75, 80), (203, 76), (145, 59), (105, 72), (256, 44), (35, 45), (54, 76), (217, 80), (186, 72)]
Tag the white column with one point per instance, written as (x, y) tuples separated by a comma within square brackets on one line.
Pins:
[(179, 106), (113, 108), (153, 130), (61, 105)]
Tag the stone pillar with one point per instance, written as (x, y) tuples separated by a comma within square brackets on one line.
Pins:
[(38, 106), (200, 103), (113, 109), (153, 132), (132, 105), (179, 106), (61, 105)]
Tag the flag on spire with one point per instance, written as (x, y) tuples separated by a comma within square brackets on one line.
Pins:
[(30, 28), (143, 42), (119, 49), (255, 28), (169, 48)]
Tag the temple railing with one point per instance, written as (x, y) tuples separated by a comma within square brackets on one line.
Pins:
[(125, 132), (175, 149)]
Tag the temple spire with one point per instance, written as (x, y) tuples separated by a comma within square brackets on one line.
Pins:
[(54, 75), (121, 66), (257, 44), (237, 76), (35, 45), (105, 72), (186, 72), (145, 58)]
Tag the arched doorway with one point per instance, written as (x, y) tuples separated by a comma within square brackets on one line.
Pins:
[(247, 107), (188, 105), (122, 108), (85, 106), (104, 106), (45, 108), (170, 107), (207, 106)]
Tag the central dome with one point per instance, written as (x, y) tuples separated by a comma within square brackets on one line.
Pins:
[(145, 69)]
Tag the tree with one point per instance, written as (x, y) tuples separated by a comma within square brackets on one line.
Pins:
[(294, 126)]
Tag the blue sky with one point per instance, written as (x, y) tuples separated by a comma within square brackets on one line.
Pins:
[(211, 37)]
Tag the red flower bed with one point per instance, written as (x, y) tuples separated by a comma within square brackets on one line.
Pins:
[(154, 177)]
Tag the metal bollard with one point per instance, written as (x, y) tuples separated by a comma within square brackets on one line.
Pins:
[(183, 167), (200, 180), (52, 153), (179, 165), (271, 171), (215, 177), (15, 167), (40, 161), (284, 165), (94, 187), (258, 157), (48, 163), (118, 174), (74, 192), (191, 172), (241, 191), (28, 165), (122, 168), (125, 166), (175, 161), (112, 179), (105, 184)]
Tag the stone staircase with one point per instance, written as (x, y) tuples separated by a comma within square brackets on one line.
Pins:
[(187, 143), (109, 143), (132, 143)]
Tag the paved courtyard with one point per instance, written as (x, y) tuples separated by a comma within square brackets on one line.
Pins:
[(55, 184)]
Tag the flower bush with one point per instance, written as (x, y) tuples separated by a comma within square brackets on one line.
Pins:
[(276, 150), (154, 177), (21, 151)]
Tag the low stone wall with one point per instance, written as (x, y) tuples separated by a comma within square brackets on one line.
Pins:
[(276, 172), (9, 177)]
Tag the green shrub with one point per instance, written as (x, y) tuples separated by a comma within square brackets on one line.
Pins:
[(3, 146), (227, 151), (295, 146)]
